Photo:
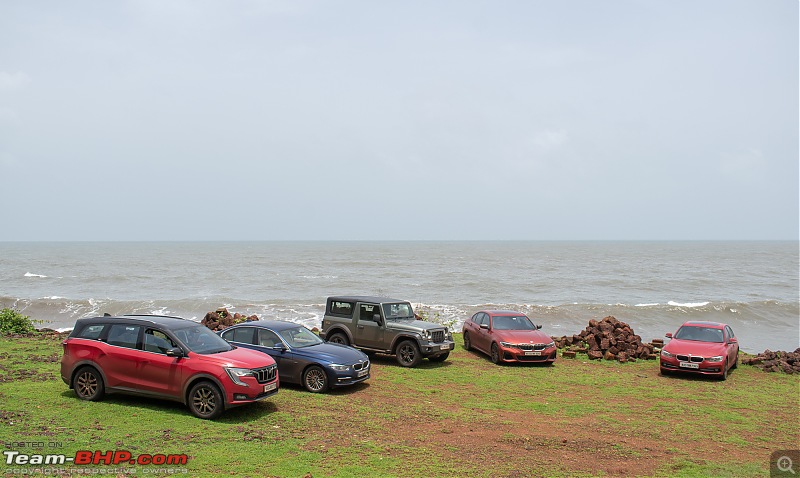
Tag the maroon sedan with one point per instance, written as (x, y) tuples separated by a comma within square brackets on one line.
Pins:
[(706, 348), (508, 336)]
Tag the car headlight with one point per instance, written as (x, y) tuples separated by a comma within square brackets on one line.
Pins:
[(718, 358), (508, 345), (340, 368), (426, 335), (237, 373), (666, 354), (551, 344), (447, 334)]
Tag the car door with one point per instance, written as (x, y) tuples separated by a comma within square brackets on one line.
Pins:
[(370, 330), (732, 346), (156, 372), (119, 363), (266, 340), (481, 339)]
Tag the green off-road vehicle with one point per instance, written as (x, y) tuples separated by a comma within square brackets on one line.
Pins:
[(383, 325)]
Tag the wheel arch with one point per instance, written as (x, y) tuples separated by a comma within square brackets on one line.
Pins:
[(202, 377), (86, 363)]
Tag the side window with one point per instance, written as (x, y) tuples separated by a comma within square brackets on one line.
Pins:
[(123, 335), (367, 311), (157, 341), (267, 338), (243, 335), (483, 319), (92, 331), (343, 309), (729, 330)]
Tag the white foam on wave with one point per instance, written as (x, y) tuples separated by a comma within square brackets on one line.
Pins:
[(647, 305), (688, 304), (30, 274)]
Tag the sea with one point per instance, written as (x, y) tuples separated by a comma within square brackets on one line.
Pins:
[(653, 286)]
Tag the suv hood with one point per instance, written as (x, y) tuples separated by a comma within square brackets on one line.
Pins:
[(412, 325), (239, 357)]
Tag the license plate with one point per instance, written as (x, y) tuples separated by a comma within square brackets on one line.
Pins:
[(689, 365), (361, 373), (270, 386), (444, 347), (534, 352)]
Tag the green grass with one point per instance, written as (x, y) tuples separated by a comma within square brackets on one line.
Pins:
[(464, 417)]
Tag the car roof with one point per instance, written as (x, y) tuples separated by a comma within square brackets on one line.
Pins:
[(364, 298), (502, 312), (166, 321), (693, 323), (269, 324)]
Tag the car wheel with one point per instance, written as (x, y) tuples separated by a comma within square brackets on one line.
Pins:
[(467, 343), (205, 400), (495, 354), (724, 375), (315, 379), (439, 358), (339, 338), (408, 354), (735, 362), (664, 372), (88, 384)]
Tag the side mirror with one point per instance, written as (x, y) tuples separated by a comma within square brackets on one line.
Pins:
[(176, 352), (278, 347), (485, 326), (733, 340), (377, 319), (668, 335)]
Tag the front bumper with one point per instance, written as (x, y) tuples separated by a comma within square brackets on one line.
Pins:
[(703, 368), (239, 395), (432, 348), (513, 354), (349, 378)]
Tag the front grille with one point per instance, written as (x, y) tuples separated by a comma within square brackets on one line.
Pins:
[(266, 374), (361, 366), (531, 346), (437, 336), (689, 358)]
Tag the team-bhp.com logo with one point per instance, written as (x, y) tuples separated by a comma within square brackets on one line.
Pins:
[(85, 457)]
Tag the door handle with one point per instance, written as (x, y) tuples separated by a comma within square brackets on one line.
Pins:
[(359, 326)]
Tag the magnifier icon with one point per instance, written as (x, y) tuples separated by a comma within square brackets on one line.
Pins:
[(785, 464)]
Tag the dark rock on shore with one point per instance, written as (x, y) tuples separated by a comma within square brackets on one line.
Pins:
[(608, 339), (221, 319), (780, 361)]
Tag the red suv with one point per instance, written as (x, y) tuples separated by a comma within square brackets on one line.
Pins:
[(164, 357)]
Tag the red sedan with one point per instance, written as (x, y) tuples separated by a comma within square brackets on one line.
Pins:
[(508, 336), (706, 348)]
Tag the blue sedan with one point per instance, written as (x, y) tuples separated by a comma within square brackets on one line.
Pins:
[(302, 357)]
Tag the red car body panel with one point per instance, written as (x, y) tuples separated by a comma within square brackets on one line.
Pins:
[(539, 347), (702, 355)]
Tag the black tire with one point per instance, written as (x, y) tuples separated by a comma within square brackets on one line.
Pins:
[(205, 401), (88, 384), (724, 375), (315, 379), (408, 354), (439, 358), (467, 343), (338, 338), (495, 355), (665, 372), (735, 362)]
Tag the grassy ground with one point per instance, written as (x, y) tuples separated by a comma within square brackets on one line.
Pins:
[(463, 417)]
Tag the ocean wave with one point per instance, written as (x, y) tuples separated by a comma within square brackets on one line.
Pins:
[(30, 274), (688, 304)]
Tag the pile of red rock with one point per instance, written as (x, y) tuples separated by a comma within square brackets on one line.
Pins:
[(769, 361), (221, 318), (608, 339)]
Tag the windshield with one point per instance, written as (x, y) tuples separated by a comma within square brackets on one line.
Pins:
[(507, 322), (699, 334), (300, 337), (201, 340), (398, 311)]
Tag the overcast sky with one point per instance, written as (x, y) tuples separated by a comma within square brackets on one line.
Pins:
[(289, 120)]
